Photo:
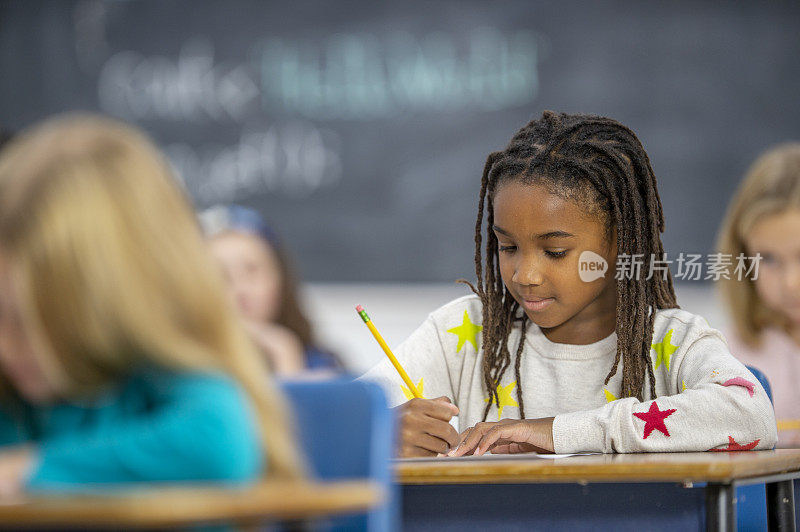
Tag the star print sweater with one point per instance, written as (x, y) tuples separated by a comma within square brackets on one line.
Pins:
[(704, 398)]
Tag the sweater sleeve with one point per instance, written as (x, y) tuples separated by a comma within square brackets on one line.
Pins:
[(203, 429), (714, 403), (423, 358)]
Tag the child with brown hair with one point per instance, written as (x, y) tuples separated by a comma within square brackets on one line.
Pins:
[(264, 287)]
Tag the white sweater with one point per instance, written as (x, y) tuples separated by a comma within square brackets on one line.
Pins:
[(705, 398)]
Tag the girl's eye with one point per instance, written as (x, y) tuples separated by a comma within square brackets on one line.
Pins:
[(556, 254), (507, 249)]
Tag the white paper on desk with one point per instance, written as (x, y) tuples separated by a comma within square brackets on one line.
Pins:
[(488, 456)]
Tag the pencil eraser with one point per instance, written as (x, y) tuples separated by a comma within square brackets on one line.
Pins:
[(359, 308)]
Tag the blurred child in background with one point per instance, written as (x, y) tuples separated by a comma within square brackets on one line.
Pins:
[(264, 288), (121, 359), (764, 218)]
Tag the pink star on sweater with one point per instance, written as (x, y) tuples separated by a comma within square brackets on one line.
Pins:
[(744, 383)]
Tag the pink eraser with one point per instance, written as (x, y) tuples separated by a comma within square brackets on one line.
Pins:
[(359, 308)]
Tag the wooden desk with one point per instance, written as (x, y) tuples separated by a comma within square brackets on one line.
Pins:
[(185, 506), (721, 473)]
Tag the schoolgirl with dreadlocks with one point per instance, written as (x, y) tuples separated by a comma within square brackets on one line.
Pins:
[(553, 352)]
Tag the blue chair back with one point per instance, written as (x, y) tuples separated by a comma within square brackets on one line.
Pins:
[(758, 374), (347, 432), (751, 502)]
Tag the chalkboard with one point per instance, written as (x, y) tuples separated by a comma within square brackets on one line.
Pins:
[(360, 128)]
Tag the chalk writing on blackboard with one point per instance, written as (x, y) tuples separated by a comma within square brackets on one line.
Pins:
[(362, 76), (293, 159), (191, 87), (346, 76)]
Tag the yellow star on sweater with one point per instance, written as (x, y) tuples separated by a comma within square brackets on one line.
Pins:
[(466, 332), (504, 398), (609, 396), (664, 350), (408, 393)]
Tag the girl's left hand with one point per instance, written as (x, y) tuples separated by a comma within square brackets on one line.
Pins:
[(15, 465), (507, 436)]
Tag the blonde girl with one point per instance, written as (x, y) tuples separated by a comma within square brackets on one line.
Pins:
[(120, 356), (764, 220)]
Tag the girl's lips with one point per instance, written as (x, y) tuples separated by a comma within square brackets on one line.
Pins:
[(537, 304)]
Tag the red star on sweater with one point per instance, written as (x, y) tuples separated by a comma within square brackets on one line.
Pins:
[(733, 446), (654, 419)]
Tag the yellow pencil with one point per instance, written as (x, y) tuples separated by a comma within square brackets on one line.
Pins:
[(382, 343)]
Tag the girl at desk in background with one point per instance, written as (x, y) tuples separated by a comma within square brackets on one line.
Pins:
[(764, 219), (531, 362), (121, 359), (263, 286)]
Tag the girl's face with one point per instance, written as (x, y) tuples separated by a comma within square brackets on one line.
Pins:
[(774, 236), (18, 359), (541, 237), (253, 273)]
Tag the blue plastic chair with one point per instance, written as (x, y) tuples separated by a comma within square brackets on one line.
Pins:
[(347, 432), (758, 374), (751, 501)]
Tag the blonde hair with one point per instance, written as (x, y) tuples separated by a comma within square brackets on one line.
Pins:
[(113, 274), (771, 186)]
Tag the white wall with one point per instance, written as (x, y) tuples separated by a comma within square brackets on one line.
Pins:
[(398, 309)]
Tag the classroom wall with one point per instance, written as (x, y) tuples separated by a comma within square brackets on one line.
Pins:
[(360, 128)]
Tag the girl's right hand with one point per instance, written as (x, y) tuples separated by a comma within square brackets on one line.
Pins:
[(425, 428)]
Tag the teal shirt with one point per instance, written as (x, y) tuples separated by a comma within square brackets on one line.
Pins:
[(156, 427)]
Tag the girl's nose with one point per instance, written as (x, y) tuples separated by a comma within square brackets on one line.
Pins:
[(527, 275)]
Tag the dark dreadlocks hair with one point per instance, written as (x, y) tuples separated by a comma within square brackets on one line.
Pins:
[(601, 163)]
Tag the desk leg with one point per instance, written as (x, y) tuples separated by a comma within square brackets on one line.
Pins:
[(780, 506), (720, 509)]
